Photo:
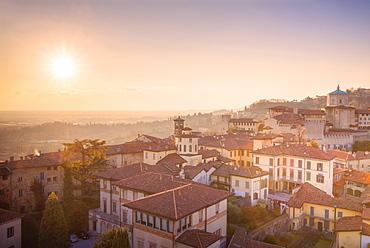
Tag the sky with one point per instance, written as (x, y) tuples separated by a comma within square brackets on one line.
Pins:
[(180, 54)]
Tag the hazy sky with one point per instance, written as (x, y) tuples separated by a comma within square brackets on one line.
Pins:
[(156, 55)]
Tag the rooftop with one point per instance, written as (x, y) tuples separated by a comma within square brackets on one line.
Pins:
[(198, 238)]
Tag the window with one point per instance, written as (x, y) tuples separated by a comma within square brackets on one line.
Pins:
[(55, 167), (257, 160), (55, 179), (309, 165), (200, 213), (291, 173), (299, 174), (326, 224), (326, 213), (255, 196), (10, 232), (49, 168), (146, 154), (271, 171), (115, 207), (184, 148), (153, 156), (42, 175), (284, 172), (300, 163), (104, 184), (231, 154), (312, 210), (340, 214), (319, 166), (190, 148), (49, 179), (124, 216), (320, 178), (20, 179), (217, 232), (217, 208), (105, 206), (247, 185), (271, 161), (308, 176), (284, 161), (152, 245), (292, 162), (236, 182)]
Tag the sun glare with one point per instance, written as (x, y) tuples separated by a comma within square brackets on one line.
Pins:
[(63, 68)]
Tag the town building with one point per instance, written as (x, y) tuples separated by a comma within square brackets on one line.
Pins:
[(10, 229), (291, 165)]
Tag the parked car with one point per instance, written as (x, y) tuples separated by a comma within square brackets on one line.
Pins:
[(83, 235), (73, 238)]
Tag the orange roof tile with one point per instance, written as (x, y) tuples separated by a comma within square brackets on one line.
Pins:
[(352, 223), (197, 238)]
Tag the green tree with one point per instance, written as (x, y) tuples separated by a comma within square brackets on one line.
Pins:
[(68, 197), (80, 217), (29, 231), (53, 228), (39, 199), (115, 238), (314, 144), (86, 157), (234, 213)]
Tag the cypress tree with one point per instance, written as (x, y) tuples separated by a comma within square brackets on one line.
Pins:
[(68, 197), (53, 228), (116, 238)]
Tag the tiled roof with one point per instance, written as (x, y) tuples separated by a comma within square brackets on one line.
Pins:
[(365, 196), (172, 159), (243, 120), (4, 169), (225, 160), (210, 139), (365, 229), (224, 170), (311, 112), (366, 213), (152, 183), (340, 154), (362, 111), (44, 159), (287, 116), (6, 215), (197, 238), (352, 223), (216, 163), (192, 171), (240, 239), (249, 172), (232, 144), (339, 107), (129, 147), (179, 202), (337, 133), (296, 150), (264, 136), (310, 194), (209, 153), (168, 169), (124, 171), (160, 147), (357, 176)]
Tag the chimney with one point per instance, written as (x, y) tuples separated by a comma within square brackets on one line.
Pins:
[(21, 158), (11, 158)]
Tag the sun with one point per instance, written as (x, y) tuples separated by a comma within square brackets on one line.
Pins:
[(63, 68)]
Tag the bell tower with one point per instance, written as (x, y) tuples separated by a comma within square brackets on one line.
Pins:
[(179, 125)]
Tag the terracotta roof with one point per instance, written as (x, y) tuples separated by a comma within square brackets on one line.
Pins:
[(172, 159), (264, 136), (4, 169), (340, 183), (232, 144), (311, 112), (225, 160), (210, 139), (243, 120), (362, 111), (160, 147), (337, 133), (209, 153), (310, 194), (366, 213), (152, 183), (129, 147), (168, 169), (352, 223), (357, 176), (240, 239), (43, 160), (365, 229), (287, 117), (197, 238), (124, 171), (179, 202), (224, 170), (339, 107), (192, 171), (365, 196), (216, 163), (340, 154), (296, 150), (6, 215), (249, 172)]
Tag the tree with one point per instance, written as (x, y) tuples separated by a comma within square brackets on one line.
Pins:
[(314, 144), (39, 198), (29, 231), (80, 217), (53, 228), (68, 197), (115, 238), (233, 213), (86, 157), (300, 136)]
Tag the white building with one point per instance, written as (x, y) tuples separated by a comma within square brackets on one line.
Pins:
[(10, 229)]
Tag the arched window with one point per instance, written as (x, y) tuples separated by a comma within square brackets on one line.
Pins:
[(358, 193), (189, 148), (349, 191)]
